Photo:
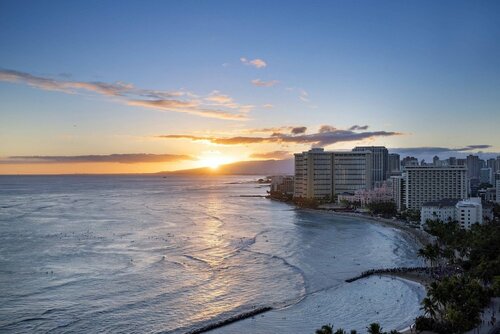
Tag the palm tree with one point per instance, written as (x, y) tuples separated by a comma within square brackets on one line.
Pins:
[(429, 307), (374, 328), (340, 331), (353, 331), (325, 329)]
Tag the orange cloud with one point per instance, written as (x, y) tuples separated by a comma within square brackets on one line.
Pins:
[(185, 102), (297, 136), (257, 63), (275, 155), (260, 83)]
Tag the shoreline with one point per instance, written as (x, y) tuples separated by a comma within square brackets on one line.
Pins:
[(421, 237)]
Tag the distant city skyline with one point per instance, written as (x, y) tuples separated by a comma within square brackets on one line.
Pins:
[(96, 87)]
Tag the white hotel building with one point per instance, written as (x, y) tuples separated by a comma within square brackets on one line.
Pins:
[(428, 183), (323, 175), (466, 212)]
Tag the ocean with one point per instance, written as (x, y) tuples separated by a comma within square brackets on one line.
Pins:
[(155, 254)]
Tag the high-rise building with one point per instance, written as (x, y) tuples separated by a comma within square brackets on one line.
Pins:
[(452, 161), (486, 175), (352, 171), (409, 161), (429, 183), (313, 174), (394, 163), (473, 166), (380, 162), (399, 192), (436, 162), (497, 186), (323, 175), (492, 163)]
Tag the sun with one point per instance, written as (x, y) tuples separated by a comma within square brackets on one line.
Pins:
[(213, 160)]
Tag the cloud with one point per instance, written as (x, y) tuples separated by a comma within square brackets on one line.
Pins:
[(298, 130), (115, 158), (269, 130), (260, 83), (327, 128), (215, 105), (268, 106), (303, 95), (275, 155), (109, 89), (187, 107), (257, 63), (437, 150), (359, 127), (324, 138)]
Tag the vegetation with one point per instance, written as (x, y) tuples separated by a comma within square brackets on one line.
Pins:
[(280, 196), (350, 204), (303, 202), (374, 328), (454, 302), (383, 208), (410, 215), (325, 329)]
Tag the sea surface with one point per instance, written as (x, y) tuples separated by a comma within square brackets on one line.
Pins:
[(153, 254)]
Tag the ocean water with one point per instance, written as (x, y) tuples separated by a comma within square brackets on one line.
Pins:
[(148, 254)]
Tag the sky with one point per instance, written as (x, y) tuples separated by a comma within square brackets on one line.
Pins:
[(148, 86)]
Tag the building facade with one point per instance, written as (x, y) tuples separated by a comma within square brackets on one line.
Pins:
[(473, 166), (283, 184), (313, 174), (324, 175), (380, 162), (443, 210), (465, 212), (399, 192), (469, 212), (497, 187), (394, 162), (486, 175), (428, 183)]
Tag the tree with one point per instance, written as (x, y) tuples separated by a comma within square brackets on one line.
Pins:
[(325, 329), (340, 331), (430, 252), (429, 306), (374, 328)]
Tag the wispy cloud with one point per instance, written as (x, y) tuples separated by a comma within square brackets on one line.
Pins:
[(261, 83), (275, 155), (115, 158), (303, 95), (257, 62), (215, 105), (324, 138), (438, 150), (359, 127)]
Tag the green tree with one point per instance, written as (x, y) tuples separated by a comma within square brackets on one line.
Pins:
[(374, 328), (325, 329)]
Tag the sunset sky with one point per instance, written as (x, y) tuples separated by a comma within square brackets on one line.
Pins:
[(146, 86)]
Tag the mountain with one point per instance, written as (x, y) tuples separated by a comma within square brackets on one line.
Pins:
[(259, 167)]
